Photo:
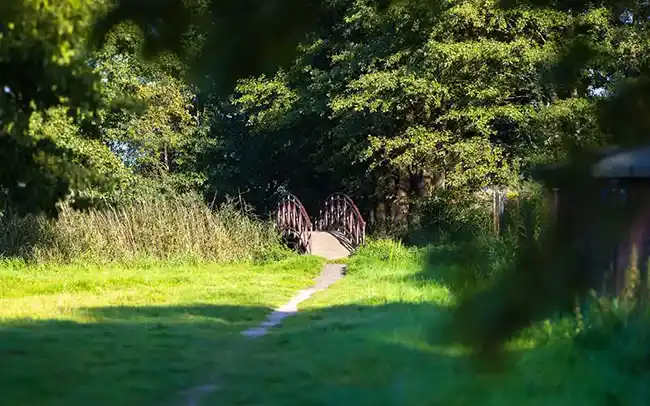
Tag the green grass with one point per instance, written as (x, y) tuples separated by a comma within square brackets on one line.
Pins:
[(141, 335), (129, 336), (365, 342)]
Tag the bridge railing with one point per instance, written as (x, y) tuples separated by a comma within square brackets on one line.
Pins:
[(341, 216), (294, 222)]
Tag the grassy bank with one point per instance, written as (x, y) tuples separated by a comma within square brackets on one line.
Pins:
[(114, 336)]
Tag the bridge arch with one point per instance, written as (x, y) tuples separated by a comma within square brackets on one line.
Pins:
[(342, 218), (337, 232), (294, 223)]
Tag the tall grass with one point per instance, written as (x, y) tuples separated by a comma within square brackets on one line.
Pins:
[(177, 227)]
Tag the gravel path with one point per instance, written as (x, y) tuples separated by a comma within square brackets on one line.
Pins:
[(330, 274)]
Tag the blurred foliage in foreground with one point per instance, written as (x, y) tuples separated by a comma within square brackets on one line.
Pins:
[(553, 271)]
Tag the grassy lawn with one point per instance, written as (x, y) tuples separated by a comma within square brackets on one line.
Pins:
[(129, 336), (140, 336), (363, 342)]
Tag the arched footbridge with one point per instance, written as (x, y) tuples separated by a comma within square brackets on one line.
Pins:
[(337, 232)]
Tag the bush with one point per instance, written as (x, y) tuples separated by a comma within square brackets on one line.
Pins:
[(449, 214), (176, 227), (467, 253), (467, 266)]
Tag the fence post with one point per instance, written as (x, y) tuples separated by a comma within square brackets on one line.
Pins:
[(495, 212), (555, 204)]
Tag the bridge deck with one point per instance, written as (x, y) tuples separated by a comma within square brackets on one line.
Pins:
[(326, 245), (335, 234)]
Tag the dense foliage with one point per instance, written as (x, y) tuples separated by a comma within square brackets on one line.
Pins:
[(384, 103), (387, 106)]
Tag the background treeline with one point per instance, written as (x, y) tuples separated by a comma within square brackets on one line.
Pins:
[(417, 112)]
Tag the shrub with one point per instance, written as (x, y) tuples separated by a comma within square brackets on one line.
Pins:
[(449, 214)]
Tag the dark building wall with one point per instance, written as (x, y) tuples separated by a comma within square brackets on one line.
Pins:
[(611, 226), (633, 246)]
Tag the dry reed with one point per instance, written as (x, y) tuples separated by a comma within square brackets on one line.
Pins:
[(179, 227)]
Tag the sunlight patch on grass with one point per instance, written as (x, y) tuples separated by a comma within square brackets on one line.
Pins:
[(376, 277), (55, 293)]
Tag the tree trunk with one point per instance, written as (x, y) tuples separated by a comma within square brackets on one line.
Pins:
[(427, 181), (390, 200), (380, 216), (165, 158), (401, 203), (439, 179)]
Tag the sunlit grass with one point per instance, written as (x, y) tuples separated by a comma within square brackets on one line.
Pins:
[(129, 336)]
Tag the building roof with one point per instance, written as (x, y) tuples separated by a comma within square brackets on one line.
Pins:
[(630, 163), (613, 163)]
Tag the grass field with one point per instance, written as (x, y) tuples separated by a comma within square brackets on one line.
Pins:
[(140, 336), (129, 336)]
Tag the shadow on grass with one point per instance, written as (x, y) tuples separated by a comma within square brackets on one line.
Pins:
[(345, 355), (230, 315), (390, 354), (118, 355), (147, 355)]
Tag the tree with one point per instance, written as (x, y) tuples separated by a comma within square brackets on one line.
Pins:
[(219, 39), (387, 104), (154, 131), (44, 52), (41, 48)]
